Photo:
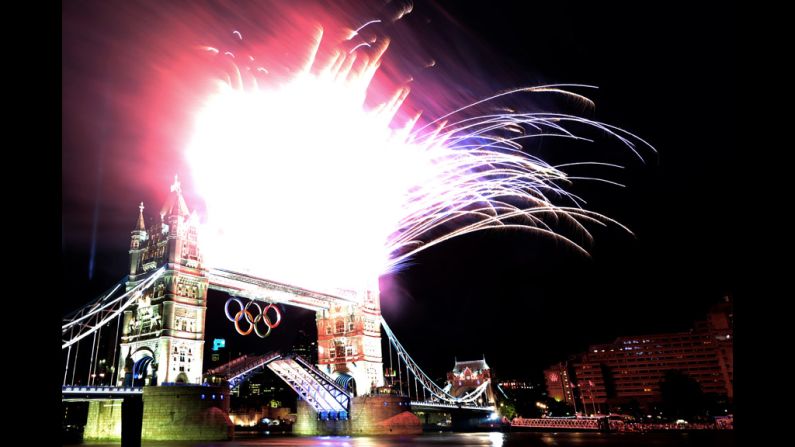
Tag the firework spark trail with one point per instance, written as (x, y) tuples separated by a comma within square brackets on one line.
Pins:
[(303, 184)]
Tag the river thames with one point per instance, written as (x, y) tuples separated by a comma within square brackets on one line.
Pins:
[(494, 439)]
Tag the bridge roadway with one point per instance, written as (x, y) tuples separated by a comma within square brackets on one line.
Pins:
[(83, 393), (431, 405)]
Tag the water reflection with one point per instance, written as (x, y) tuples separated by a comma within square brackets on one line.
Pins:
[(493, 439)]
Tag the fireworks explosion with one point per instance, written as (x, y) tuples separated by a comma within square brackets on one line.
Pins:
[(304, 182)]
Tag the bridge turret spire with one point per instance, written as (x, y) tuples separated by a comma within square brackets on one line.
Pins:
[(140, 225), (137, 237), (176, 185), (175, 205)]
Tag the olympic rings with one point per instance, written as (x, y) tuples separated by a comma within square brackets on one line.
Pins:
[(226, 308), (262, 316), (237, 322)]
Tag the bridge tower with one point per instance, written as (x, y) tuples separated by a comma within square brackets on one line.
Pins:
[(467, 376), (349, 344), (163, 331)]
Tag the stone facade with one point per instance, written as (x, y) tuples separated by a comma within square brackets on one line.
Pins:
[(349, 344), (186, 413), (164, 330), (466, 376), (104, 421), (377, 414)]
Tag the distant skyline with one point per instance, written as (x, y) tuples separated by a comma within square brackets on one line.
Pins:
[(665, 71)]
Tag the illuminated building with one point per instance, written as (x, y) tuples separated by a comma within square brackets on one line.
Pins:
[(349, 344), (516, 385), (467, 376), (632, 368), (559, 384), (163, 332)]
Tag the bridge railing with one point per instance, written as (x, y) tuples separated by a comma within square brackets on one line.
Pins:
[(87, 389), (237, 370), (559, 423), (228, 366), (315, 387), (436, 404)]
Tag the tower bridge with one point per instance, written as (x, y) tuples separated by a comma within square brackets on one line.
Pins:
[(160, 311)]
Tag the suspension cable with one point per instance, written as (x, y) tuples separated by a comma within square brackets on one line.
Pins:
[(96, 356), (68, 353), (391, 371), (91, 359), (408, 381), (91, 309), (400, 375), (426, 382), (126, 300), (66, 369), (74, 368), (115, 346)]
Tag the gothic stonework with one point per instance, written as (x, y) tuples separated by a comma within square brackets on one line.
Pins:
[(166, 323), (349, 343), (469, 375)]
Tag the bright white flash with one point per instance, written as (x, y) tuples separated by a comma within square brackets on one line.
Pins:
[(305, 185)]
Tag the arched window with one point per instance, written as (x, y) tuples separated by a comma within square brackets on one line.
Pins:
[(340, 327)]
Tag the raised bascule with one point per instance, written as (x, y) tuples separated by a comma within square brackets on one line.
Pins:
[(159, 343)]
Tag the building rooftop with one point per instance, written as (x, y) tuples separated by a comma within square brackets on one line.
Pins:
[(473, 365)]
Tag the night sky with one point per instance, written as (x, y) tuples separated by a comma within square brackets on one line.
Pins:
[(665, 71)]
